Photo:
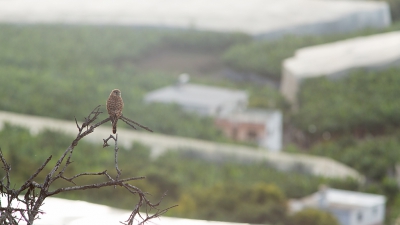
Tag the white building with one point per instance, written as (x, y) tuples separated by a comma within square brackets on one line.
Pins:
[(229, 108), (265, 18), (260, 126), (202, 99), (338, 58), (349, 207)]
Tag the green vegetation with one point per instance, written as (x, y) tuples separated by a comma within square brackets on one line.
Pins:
[(355, 121), (363, 102), (256, 203), (313, 217), (204, 190), (361, 155), (375, 157), (203, 41), (64, 71)]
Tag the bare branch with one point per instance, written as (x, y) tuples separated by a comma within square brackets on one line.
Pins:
[(106, 140), (92, 186), (157, 214), (91, 118), (76, 122), (37, 192), (143, 200), (84, 174)]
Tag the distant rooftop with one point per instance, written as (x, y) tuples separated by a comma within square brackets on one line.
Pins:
[(352, 198), (255, 17), (335, 198), (194, 95)]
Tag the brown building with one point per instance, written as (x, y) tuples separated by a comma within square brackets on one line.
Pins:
[(259, 126)]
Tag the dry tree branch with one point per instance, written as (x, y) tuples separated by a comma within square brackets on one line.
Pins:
[(93, 186), (144, 201), (37, 192), (105, 144), (116, 157)]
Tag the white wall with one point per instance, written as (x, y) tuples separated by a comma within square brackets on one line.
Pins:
[(273, 136), (370, 215)]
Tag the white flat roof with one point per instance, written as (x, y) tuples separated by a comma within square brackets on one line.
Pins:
[(250, 16), (338, 199), (368, 52), (352, 198), (195, 95)]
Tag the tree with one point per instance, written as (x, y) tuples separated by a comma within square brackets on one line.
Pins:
[(31, 195), (258, 203), (313, 217)]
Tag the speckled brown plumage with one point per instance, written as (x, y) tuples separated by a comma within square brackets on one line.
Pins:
[(114, 108)]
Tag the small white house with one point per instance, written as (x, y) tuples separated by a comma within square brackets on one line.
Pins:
[(202, 99), (349, 207)]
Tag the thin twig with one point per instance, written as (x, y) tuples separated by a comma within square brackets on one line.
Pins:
[(84, 174), (93, 186), (105, 144)]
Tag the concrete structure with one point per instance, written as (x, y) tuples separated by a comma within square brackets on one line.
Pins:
[(338, 58), (212, 151), (59, 211), (202, 99), (349, 207), (265, 18), (229, 109), (260, 126)]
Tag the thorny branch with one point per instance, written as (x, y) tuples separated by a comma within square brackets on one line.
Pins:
[(36, 193)]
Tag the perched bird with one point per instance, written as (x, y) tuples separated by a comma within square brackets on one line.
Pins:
[(114, 108)]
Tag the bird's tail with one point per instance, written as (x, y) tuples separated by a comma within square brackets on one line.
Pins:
[(114, 126)]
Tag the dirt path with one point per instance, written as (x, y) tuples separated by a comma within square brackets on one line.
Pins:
[(209, 150)]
